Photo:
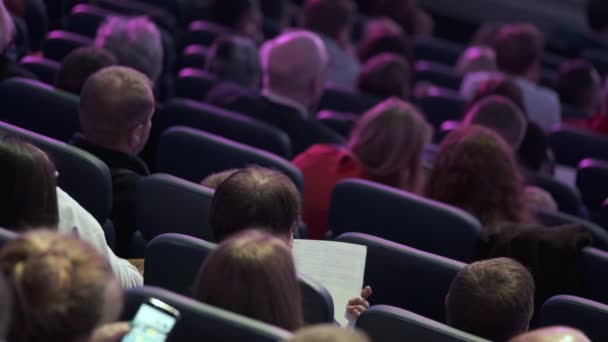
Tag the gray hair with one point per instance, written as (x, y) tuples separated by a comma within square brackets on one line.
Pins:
[(235, 59), (136, 43), (7, 27)]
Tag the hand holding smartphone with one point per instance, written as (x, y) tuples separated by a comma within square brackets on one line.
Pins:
[(153, 322)]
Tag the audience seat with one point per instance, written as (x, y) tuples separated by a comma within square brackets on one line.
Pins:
[(597, 57), (388, 323), (583, 314), (436, 50), (344, 100), (187, 254), (406, 277), (38, 107), (379, 210), (595, 277), (441, 105), (602, 215), (240, 128), (59, 43), (194, 84), (438, 74), (568, 198), (555, 218), (203, 33), (193, 56), (45, 69), (592, 181), (82, 175), (6, 236), (572, 145), (569, 112), (166, 204), (193, 155), (138, 8), (341, 123), (85, 19), (202, 322)]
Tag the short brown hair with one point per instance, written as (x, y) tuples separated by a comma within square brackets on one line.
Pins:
[(59, 286), (252, 274), (386, 75), (329, 17), (475, 170), (493, 299), (518, 47), (255, 196), (328, 333), (502, 86), (79, 65)]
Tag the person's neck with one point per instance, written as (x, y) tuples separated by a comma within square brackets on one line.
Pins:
[(114, 147), (295, 96)]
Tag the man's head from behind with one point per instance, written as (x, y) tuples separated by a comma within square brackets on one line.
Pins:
[(79, 65), (500, 115), (116, 106), (235, 59), (294, 66), (518, 50), (552, 334), (493, 299), (255, 197), (579, 85), (331, 18)]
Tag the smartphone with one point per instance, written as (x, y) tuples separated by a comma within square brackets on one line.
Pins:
[(153, 322)]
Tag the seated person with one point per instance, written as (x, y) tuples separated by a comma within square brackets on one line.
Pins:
[(235, 59), (293, 80), (476, 59), (492, 299), (79, 64), (333, 21), (386, 75), (552, 334), (407, 13), (384, 36), (385, 146), (8, 67), (243, 17), (252, 274), (64, 290), (116, 107), (266, 199), (518, 50), (328, 333)]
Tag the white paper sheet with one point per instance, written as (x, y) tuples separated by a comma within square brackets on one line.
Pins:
[(336, 265)]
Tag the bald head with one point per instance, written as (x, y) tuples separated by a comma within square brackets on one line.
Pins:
[(294, 65), (328, 333), (116, 105), (500, 115), (552, 334)]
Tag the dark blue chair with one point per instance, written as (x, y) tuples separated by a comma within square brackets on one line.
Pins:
[(194, 84), (588, 316), (555, 218), (441, 105), (59, 43), (45, 69), (592, 181), (438, 74), (572, 113), (388, 323), (572, 145), (595, 277), (436, 50), (160, 16), (85, 19), (173, 261), (6, 236), (166, 204), (202, 322), (193, 155), (82, 175), (203, 33), (346, 101), (406, 277), (341, 123), (375, 209), (193, 56), (39, 108), (568, 198), (240, 128)]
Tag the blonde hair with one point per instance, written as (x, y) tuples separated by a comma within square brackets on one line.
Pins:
[(388, 140), (59, 286)]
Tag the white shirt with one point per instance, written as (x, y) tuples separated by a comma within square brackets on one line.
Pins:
[(74, 219), (343, 68), (542, 104)]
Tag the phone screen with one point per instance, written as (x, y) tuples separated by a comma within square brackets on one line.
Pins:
[(150, 325)]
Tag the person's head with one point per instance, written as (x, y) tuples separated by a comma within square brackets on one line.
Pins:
[(476, 58), (379, 42), (502, 86), (386, 75), (534, 153), (79, 64), (579, 86), (235, 59), (294, 65), (403, 12), (252, 274), (493, 299), (330, 18), (215, 179), (28, 186), (6, 308), (518, 50), (7, 28), (242, 16), (135, 42), (552, 334), (597, 15), (261, 197), (388, 140), (500, 115), (277, 10), (116, 106), (488, 184), (61, 287), (328, 333)]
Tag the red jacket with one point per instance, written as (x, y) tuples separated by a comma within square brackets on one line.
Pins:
[(598, 123), (323, 166)]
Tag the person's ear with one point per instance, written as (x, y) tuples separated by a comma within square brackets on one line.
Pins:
[(135, 137)]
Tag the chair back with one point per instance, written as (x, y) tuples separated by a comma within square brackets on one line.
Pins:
[(592, 181), (572, 145), (59, 44), (588, 316)]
